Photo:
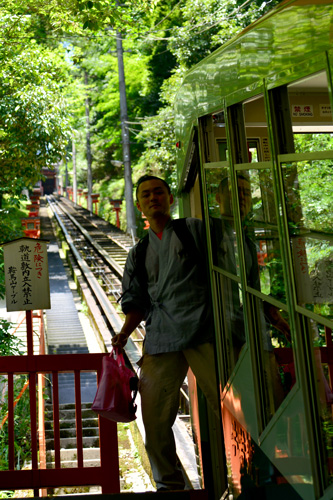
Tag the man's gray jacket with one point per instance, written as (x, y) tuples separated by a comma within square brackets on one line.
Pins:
[(178, 315)]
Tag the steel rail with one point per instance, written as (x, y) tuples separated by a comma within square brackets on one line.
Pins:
[(108, 309), (110, 261)]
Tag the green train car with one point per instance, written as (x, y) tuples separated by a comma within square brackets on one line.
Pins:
[(255, 161)]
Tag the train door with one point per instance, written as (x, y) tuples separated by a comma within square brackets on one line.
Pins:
[(268, 201), (305, 158), (246, 267), (206, 427)]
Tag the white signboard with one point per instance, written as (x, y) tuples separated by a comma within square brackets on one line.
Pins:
[(26, 275), (302, 110), (325, 110)]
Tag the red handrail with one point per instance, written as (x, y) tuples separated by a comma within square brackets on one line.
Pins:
[(107, 475)]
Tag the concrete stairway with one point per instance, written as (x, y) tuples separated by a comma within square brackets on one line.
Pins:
[(68, 449), (68, 430)]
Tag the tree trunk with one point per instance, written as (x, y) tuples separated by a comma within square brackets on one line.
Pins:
[(74, 170), (130, 214), (88, 145)]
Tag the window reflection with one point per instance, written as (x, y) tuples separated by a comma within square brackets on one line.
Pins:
[(322, 341), (273, 337), (232, 320), (225, 257), (264, 273), (223, 237), (308, 188), (262, 252)]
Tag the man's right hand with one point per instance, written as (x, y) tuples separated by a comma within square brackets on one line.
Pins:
[(119, 340), (132, 320)]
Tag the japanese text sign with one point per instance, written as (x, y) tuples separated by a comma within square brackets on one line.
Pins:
[(26, 275)]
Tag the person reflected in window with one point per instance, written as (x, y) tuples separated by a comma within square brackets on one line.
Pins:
[(224, 254)]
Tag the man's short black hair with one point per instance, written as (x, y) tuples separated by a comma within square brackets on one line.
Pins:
[(148, 177)]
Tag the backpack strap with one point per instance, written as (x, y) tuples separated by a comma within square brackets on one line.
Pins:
[(187, 239), (140, 260)]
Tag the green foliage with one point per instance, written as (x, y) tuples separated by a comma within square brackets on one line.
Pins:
[(33, 118), (9, 344), (22, 444), (315, 180), (10, 229), (198, 28), (75, 17), (12, 346), (46, 84)]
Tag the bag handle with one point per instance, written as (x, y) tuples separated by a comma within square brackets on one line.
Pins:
[(117, 355)]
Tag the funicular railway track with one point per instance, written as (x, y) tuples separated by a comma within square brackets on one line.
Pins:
[(100, 250)]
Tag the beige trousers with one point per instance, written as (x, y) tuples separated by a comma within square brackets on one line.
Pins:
[(161, 378)]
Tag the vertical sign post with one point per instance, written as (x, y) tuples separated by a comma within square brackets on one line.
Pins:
[(27, 288), (27, 279)]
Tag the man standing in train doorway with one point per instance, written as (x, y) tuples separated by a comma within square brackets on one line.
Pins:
[(170, 291)]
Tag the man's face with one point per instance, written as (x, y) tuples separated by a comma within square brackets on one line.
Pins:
[(244, 196), (154, 199)]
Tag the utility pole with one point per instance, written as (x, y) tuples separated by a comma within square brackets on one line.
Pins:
[(130, 214), (74, 170), (88, 145), (66, 177)]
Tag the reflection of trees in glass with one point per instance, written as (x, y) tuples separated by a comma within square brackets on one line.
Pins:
[(214, 178), (264, 224)]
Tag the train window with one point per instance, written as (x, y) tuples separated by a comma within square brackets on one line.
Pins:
[(322, 342), (249, 132), (253, 149), (213, 137), (226, 259), (272, 332), (256, 129), (231, 319), (262, 253), (308, 193), (221, 217), (223, 149), (311, 114)]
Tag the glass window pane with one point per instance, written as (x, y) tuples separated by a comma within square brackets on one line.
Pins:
[(322, 341), (273, 337), (256, 130), (308, 192), (231, 320), (260, 232), (221, 218), (223, 150), (311, 113)]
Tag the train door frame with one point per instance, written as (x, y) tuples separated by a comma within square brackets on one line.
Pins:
[(282, 133), (282, 142), (208, 431), (305, 356)]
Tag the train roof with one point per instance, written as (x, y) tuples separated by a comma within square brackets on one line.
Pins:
[(292, 39)]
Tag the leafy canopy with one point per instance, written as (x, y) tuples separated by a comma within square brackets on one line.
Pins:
[(34, 123)]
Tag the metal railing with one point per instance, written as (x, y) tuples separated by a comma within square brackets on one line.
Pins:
[(38, 477)]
